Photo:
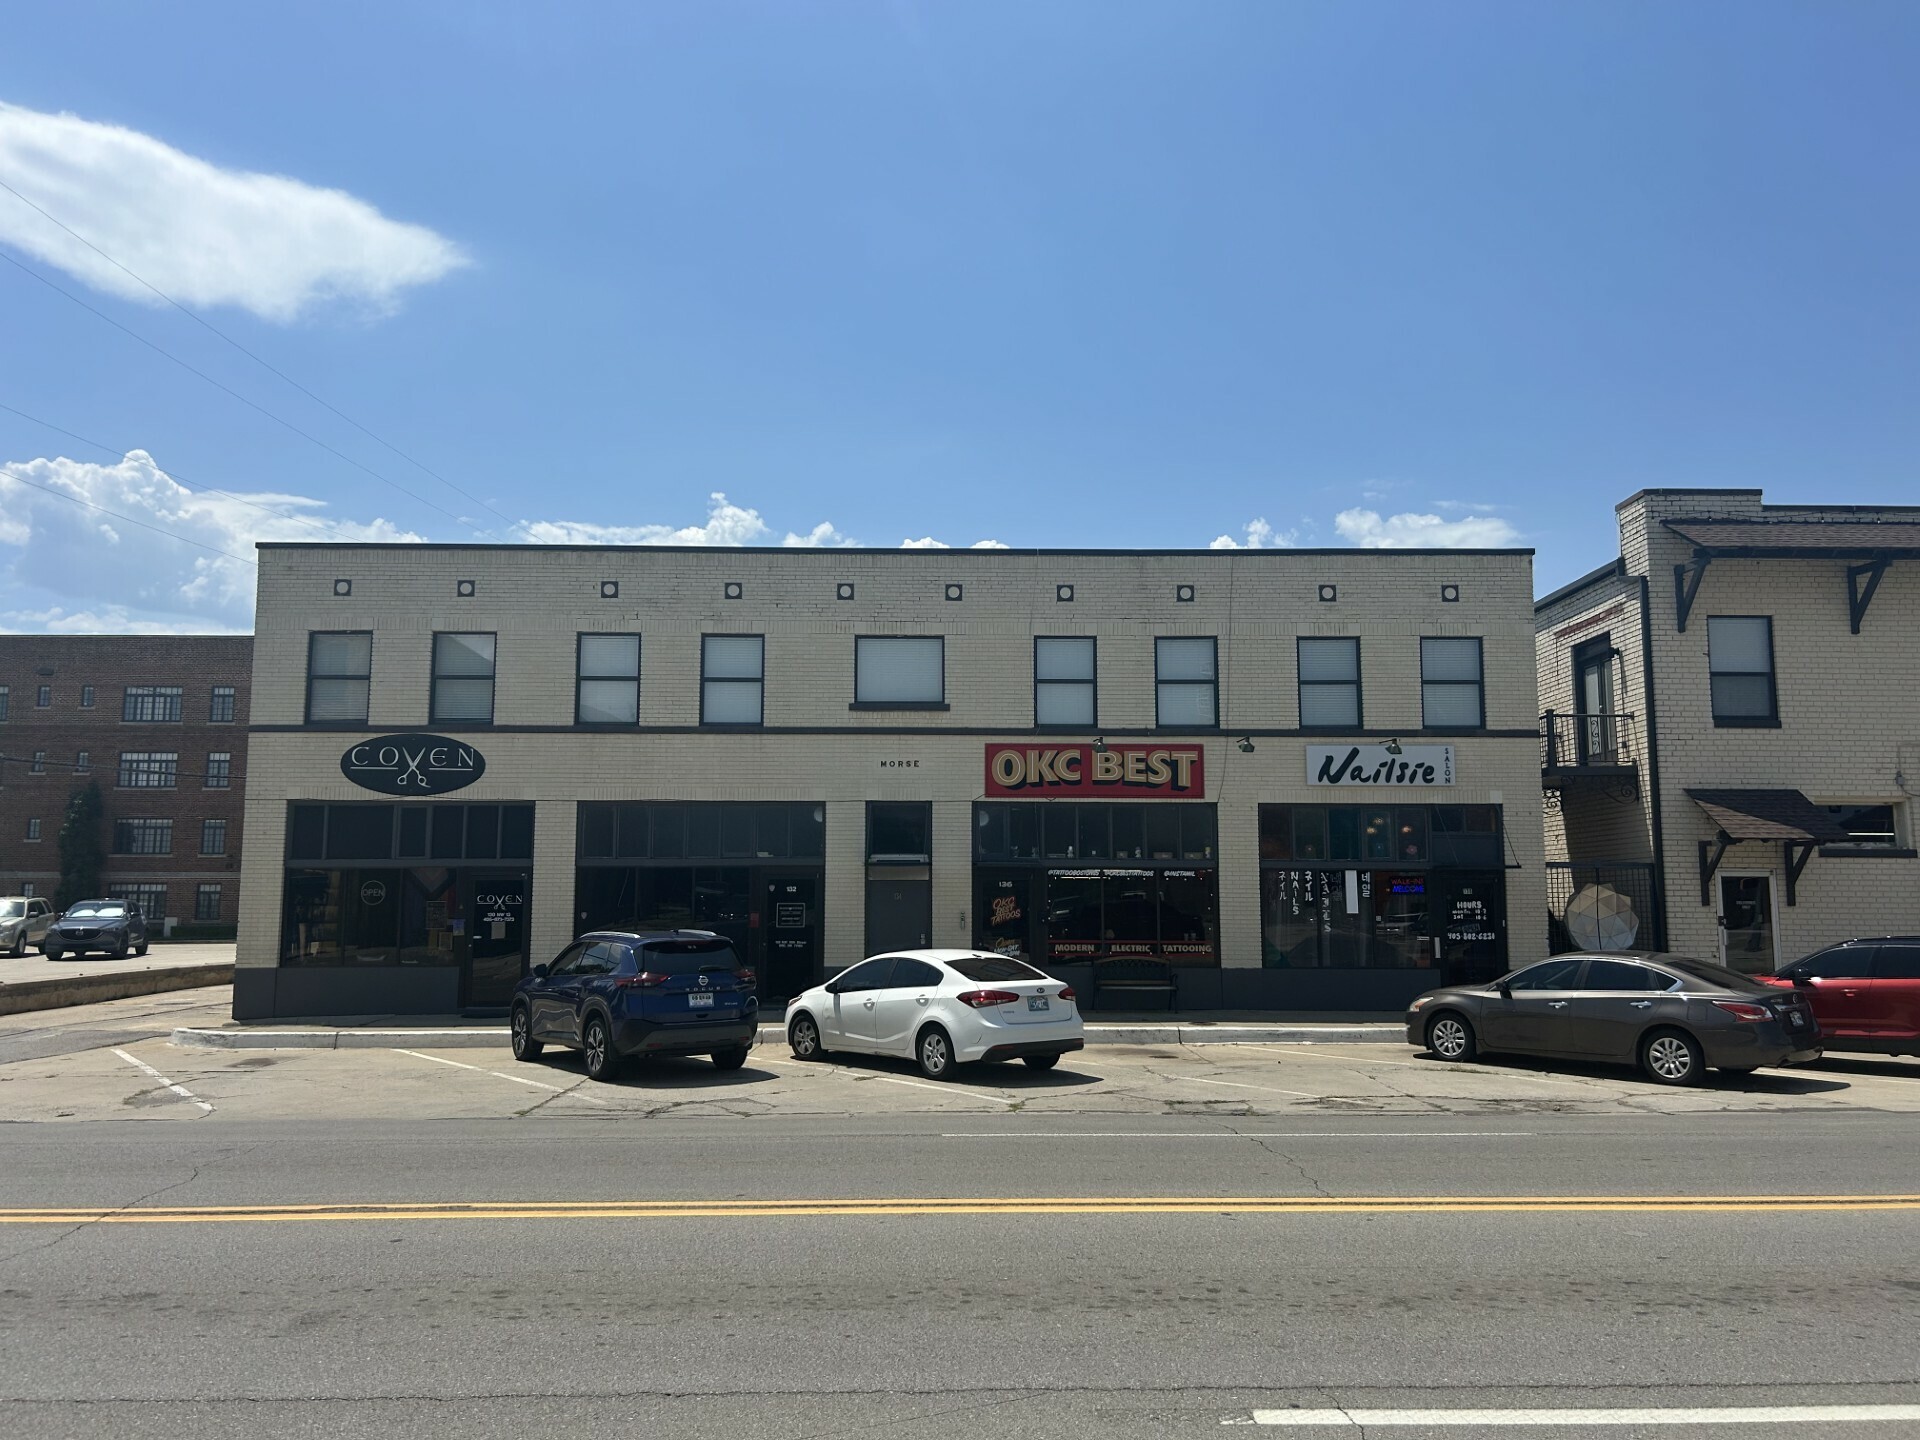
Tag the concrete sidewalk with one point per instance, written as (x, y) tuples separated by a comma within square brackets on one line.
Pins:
[(37, 983), (459, 1033)]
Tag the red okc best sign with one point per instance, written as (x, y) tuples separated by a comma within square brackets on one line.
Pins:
[(1175, 772)]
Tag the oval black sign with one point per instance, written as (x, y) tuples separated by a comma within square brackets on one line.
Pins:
[(413, 764)]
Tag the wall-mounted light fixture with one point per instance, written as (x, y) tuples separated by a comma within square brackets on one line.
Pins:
[(1393, 747), (1245, 742), (1099, 744)]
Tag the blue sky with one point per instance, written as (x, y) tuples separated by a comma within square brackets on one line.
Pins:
[(1055, 274)]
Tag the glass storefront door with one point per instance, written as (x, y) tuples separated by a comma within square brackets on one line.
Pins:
[(496, 923), (790, 929)]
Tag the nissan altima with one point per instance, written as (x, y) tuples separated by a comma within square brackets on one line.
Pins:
[(1671, 1015), (943, 1008)]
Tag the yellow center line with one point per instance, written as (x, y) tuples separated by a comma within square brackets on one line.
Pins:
[(1034, 1205)]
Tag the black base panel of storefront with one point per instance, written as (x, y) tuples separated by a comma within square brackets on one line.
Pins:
[(294, 992), (1347, 992)]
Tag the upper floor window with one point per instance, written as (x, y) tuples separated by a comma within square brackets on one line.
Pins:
[(86, 697), (143, 837), (607, 689), (732, 679), (151, 702), (149, 770), (1740, 670), (1065, 691), (1186, 681), (33, 828), (899, 670), (39, 766), (220, 706), (206, 903), (4, 695), (83, 763), (1452, 688), (463, 678), (43, 697), (213, 837), (219, 774), (339, 671), (1329, 682)]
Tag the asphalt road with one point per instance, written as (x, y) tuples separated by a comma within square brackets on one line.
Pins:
[(1112, 1275)]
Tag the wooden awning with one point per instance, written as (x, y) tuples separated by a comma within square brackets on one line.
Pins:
[(1785, 817)]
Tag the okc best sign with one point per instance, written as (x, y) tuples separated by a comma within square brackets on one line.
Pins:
[(1174, 772)]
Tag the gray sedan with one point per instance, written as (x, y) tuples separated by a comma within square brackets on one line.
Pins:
[(1672, 1015)]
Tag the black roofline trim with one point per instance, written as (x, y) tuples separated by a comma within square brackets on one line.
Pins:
[(1615, 569), (869, 551)]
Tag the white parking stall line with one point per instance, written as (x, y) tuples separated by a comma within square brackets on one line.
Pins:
[(179, 1090), (1238, 1085), (1240, 1135), (1434, 1067), (1693, 1415), (889, 1079), (502, 1075)]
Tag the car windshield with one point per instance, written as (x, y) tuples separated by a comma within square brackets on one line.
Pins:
[(1713, 974), (993, 967), (12, 909), (103, 912), (687, 957)]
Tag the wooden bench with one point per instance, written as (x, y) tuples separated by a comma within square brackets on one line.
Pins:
[(1134, 975)]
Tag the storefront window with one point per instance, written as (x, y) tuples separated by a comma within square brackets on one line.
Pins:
[(1003, 901), (670, 830)]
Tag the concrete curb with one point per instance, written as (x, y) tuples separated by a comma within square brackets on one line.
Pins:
[(490, 1037), (60, 991)]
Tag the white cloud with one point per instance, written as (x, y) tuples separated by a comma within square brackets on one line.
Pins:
[(989, 545), (113, 573), (1407, 531), (107, 620), (1260, 536), (727, 524), (927, 542), (207, 236)]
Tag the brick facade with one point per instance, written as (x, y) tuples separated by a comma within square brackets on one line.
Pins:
[(815, 747), (70, 665), (1847, 732)]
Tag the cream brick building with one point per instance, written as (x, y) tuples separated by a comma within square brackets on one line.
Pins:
[(1732, 740), (826, 753)]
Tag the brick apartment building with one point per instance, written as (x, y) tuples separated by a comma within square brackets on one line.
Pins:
[(1731, 747), (1304, 779), (160, 722)]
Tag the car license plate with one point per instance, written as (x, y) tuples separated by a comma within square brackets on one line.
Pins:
[(700, 1002), (1794, 1017), (1037, 1002)]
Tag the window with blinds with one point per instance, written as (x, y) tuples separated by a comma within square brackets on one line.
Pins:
[(1452, 691), (1065, 691), (1186, 681), (462, 679), (339, 667), (899, 670), (732, 679), (1329, 682), (607, 687)]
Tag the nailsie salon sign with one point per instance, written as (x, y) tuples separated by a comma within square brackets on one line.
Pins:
[(1415, 765), (1173, 772), (412, 764)]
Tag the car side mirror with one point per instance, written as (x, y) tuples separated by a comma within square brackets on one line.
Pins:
[(1506, 990), (540, 972), (1802, 982)]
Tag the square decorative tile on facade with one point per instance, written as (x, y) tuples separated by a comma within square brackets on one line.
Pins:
[(466, 755), (1730, 744)]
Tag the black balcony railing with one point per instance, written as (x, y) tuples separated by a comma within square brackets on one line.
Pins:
[(1575, 741)]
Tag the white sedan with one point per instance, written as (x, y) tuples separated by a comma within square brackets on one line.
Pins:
[(940, 1007)]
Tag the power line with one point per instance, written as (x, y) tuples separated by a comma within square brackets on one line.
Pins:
[(144, 525), (216, 330), (171, 474), (90, 769), (251, 404)]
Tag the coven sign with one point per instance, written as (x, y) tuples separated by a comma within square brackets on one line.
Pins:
[(1416, 765), (413, 764)]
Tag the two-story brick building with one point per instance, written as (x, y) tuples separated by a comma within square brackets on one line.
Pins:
[(1731, 745), (1303, 779), (160, 722)]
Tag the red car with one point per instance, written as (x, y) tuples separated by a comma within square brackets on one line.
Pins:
[(1865, 993)]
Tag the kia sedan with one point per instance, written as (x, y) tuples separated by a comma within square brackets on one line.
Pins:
[(1671, 1015), (942, 1008), (617, 994)]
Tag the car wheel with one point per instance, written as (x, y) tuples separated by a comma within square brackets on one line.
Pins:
[(56, 953), (1451, 1037), (1672, 1057), (596, 1042), (730, 1059), (140, 949), (117, 952), (803, 1036), (1041, 1062), (19, 946), (934, 1051), (525, 1047)]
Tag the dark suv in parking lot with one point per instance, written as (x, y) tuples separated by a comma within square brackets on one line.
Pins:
[(616, 994), (111, 926)]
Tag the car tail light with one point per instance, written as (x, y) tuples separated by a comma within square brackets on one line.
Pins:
[(745, 978), (1740, 1010), (1067, 994), (981, 999), (645, 980)]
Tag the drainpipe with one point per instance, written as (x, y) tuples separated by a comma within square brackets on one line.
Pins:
[(1653, 762)]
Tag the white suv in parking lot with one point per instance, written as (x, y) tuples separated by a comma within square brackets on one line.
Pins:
[(940, 1007), (23, 921)]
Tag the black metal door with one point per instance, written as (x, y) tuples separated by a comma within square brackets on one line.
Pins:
[(899, 912), (789, 929), (496, 938)]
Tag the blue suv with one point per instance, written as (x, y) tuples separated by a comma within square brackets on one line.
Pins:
[(619, 993)]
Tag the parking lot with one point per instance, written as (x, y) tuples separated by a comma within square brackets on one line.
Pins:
[(115, 1061)]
